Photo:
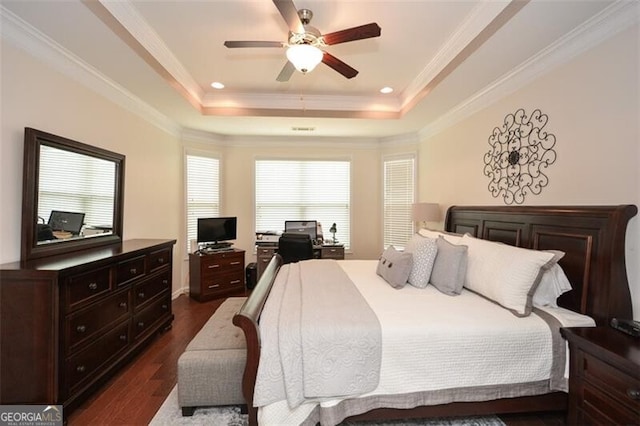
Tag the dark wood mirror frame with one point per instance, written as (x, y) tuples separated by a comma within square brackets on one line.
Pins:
[(33, 140)]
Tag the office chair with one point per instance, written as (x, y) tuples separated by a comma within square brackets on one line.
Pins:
[(294, 247)]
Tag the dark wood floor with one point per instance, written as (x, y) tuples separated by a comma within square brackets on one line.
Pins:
[(134, 395)]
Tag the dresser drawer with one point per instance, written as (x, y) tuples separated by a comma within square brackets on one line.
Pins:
[(159, 259), (147, 290), (85, 324), (332, 253), (223, 282), (81, 367), (217, 263), (614, 384), (83, 288), (130, 270), (156, 311)]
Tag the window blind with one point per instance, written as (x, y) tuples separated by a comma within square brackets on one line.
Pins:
[(304, 190), (203, 191), (77, 183), (399, 195)]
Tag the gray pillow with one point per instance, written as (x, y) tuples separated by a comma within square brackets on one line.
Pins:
[(395, 266), (449, 268)]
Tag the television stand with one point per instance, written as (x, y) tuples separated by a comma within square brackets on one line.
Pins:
[(216, 274), (216, 246)]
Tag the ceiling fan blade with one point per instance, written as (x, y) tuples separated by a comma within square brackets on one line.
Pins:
[(286, 72), (338, 65), (234, 44), (351, 34), (290, 14)]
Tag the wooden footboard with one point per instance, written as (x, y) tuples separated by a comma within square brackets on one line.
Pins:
[(247, 320)]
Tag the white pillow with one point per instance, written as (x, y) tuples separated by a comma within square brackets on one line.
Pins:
[(424, 250), (452, 238), (506, 274), (553, 284)]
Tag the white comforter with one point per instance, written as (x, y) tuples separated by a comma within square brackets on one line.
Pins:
[(433, 342)]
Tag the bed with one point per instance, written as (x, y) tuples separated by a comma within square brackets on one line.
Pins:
[(592, 239)]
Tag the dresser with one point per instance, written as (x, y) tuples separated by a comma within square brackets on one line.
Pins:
[(216, 274), (68, 322), (264, 253), (604, 378)]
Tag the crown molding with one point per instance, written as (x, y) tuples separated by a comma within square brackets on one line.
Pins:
[(129, 17), (35, 43), (479, 18), (614, 19)]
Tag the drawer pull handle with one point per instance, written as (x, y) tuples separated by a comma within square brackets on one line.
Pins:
[(93, 286), (234, 282), (161, 260), (213, 266), (123, 337), (164, 307), (235, 263), (141, 295), (634, 393), (140, 324), (165, 282), (80, 368), (123, 305), (81, 329), (133, 271), (214, 286)]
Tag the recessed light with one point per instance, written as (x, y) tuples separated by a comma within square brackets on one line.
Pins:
[(386, 90), (217, 85)]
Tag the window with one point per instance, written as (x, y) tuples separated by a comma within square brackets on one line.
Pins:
[(203, 190), (304, 190), (83, 185), (399, 195)]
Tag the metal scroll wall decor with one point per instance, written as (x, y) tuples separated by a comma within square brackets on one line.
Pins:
[(521, 150)]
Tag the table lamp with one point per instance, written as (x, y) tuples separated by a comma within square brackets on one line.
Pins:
[(425, 212)]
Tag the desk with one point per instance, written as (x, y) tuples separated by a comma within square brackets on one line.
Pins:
[(264, 253)]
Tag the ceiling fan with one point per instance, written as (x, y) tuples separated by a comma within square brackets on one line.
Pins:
[(305, 43)]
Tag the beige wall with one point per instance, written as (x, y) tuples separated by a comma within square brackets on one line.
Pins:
[(33, 95), (593, 108), (592, 103)]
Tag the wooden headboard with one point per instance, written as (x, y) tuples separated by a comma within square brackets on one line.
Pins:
[(592, 237)]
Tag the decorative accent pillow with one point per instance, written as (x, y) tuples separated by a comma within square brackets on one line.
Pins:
[(424, 250), (553, 284), (506, 274), (449, 268), (449, 236), (395, 266)]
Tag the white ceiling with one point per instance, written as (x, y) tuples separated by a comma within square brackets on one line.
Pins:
[(439, 56)]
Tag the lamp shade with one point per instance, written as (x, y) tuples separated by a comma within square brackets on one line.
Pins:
[(425, 212), (304, 57)]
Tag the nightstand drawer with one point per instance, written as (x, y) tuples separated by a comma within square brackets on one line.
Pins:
[(612, 381), (601, 409)]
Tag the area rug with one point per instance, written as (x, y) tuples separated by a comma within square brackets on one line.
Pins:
[(170, 414)]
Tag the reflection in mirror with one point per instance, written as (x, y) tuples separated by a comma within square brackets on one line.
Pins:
[(72, 196), (75, 195)]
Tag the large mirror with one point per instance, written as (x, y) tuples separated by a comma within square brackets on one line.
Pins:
[(72, 195)]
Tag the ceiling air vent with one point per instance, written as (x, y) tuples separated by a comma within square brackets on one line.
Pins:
[(303, 129)]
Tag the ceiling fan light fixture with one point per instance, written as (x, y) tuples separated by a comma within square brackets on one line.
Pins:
[(304, 57)]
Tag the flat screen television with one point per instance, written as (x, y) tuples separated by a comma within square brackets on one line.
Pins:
[(215, 230)]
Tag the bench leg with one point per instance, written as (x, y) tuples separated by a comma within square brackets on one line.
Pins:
[(188, 411)]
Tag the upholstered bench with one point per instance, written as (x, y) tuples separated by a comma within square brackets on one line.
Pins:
[(211, 368)]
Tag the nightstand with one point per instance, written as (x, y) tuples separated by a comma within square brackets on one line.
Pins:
[(604, 377)]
